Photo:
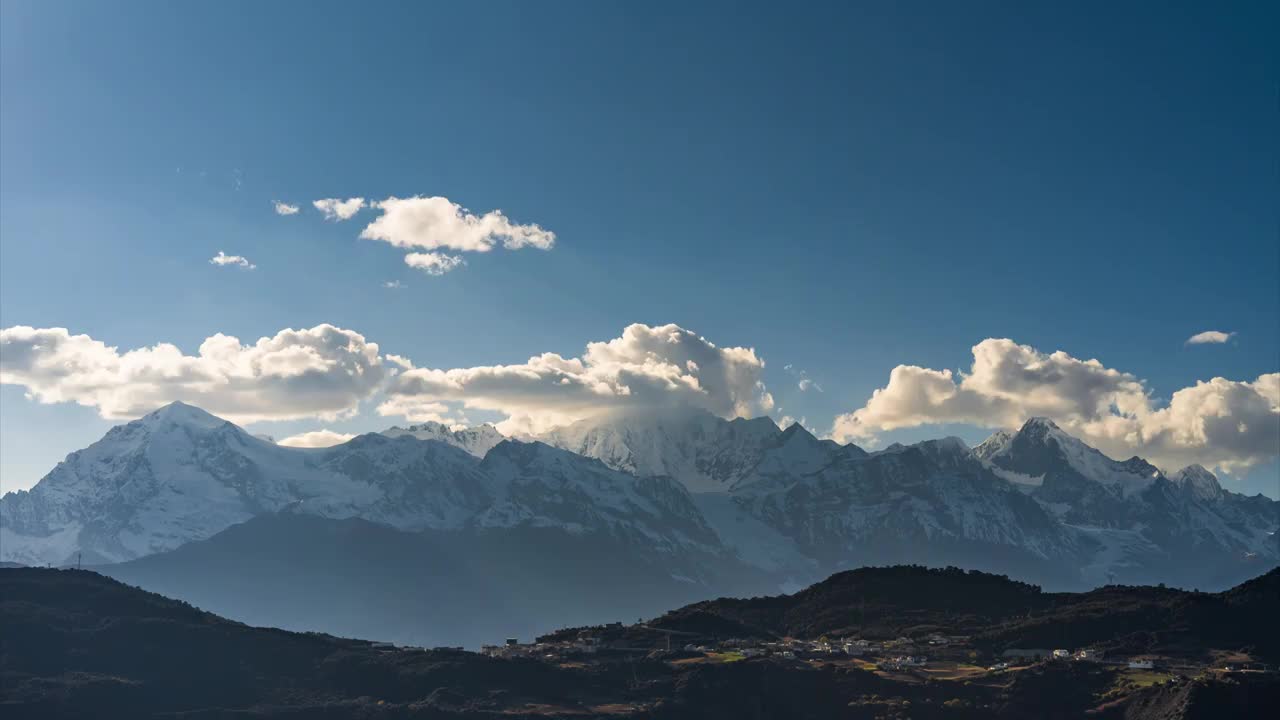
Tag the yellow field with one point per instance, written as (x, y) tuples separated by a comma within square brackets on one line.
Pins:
[(952, 671)]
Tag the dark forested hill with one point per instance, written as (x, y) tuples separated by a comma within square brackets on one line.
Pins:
[(76, 644), (998, 612)]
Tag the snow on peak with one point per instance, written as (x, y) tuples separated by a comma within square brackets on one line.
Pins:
[(997, 444), (180, 413), (1041, 447), (478, 440), (704, 452), (1042, 429), (1199, 482), (1040, 421)]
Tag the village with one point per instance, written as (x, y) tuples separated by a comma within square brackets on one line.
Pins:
[(936, 656)]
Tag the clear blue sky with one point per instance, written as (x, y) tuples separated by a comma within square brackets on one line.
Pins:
[(843, 187)]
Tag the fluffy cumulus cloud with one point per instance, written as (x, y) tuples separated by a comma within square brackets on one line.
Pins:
[(322, 372), (433, 263), (1221, 423), (434, 223), (1210, 337), (336, 209), (283, 208), (224, 260), (646, 367), (316, 439)]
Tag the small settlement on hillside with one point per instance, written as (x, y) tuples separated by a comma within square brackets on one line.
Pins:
[(936, 655)]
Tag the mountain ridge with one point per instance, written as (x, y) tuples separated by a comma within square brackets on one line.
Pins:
[(1036, 501)]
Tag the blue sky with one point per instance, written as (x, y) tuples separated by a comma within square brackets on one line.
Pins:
[(844, 188)]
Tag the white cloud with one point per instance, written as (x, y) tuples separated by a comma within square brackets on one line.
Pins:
[(337, 209), (323, 372), (1220, 423), (316, 439), (1210, 337), (222, 259), (432, 223), (417, 411), (393, 285), (804, 382), (646, 367), (283, 208), (433, 263), (403, 363)]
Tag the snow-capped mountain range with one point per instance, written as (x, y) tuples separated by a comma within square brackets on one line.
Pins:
[(685, 487), (181, 474)]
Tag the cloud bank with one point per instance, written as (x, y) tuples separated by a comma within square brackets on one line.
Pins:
[(325, 372), (1231, 425), (1210, 337), (322, 372), (646, 367)]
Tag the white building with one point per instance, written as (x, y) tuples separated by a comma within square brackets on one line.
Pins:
[(1061, 654), (910, 661), (1141, 664)]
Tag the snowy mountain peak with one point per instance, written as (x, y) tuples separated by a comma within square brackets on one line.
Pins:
[(1139, 466), (180, 413), (1197, 481), (704, 452), (1040, 422), (478, 440), (995, 445), (181, 474), (1041, 449), (1042, 429)]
